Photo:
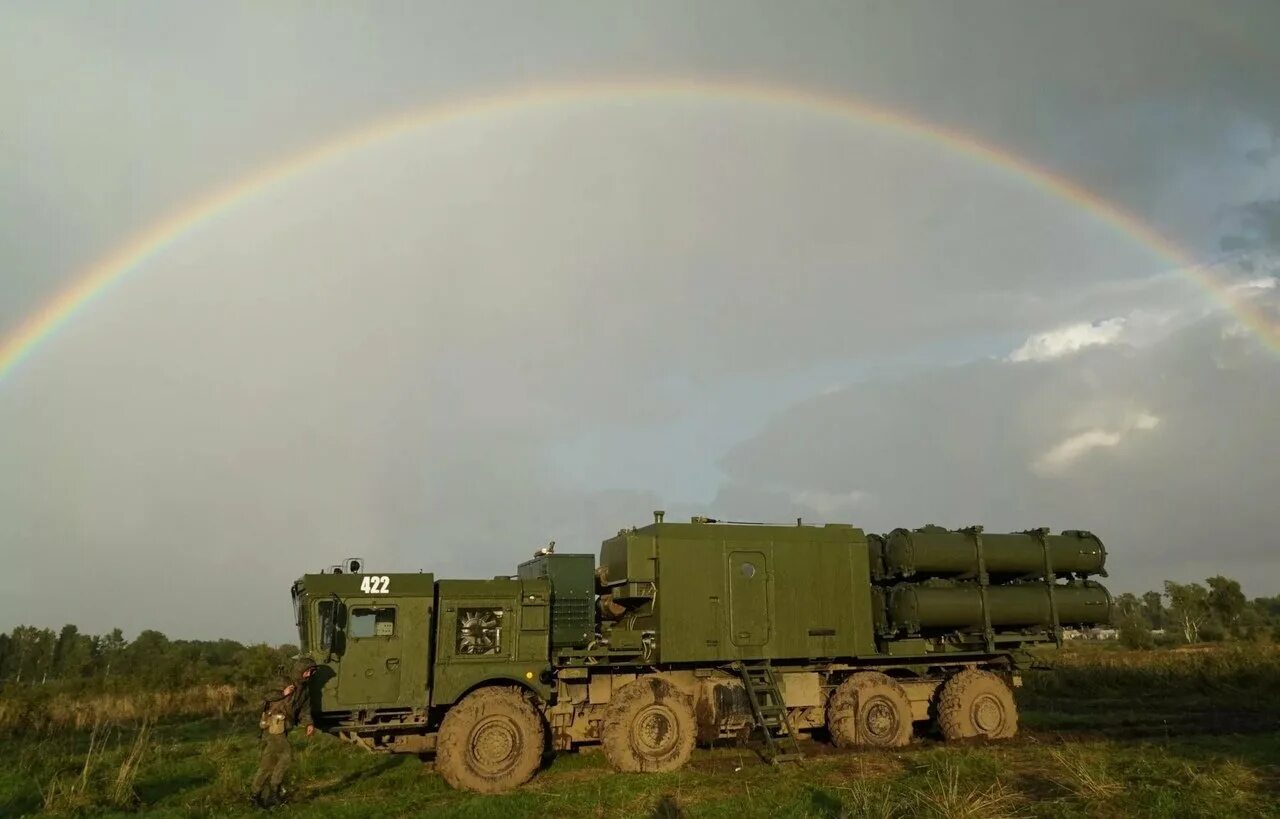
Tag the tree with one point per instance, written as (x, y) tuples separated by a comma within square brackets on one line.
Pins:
[(1153, 608), (1127, 603), (73, 654), (110, 649), (152, 662), (152, 659), (6, 656), (1226, 601), (1188, 607), (32, 652), (1253, 625), (1134, 631), (1268, 607)]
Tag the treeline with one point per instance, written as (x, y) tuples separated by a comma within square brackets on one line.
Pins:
[(1193, 613), (70, 660)]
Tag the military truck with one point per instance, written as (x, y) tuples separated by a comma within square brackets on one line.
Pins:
[(688, 633)]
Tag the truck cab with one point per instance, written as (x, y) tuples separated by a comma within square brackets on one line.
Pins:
[(394, 650)]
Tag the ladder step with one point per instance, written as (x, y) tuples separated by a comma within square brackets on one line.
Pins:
[(769, 711)]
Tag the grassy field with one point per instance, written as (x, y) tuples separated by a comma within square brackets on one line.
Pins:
[(1108, 734)]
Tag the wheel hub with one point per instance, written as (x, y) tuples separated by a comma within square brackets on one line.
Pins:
[(988, 715), (494, 743), (880, 720), (654, 730)]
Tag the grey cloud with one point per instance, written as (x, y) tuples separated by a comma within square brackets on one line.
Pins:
[(1172, 484), (124, 113), (1259, 227), (1260, 156), (391, 354)]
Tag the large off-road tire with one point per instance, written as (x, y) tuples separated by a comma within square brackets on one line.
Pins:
[(491, 741), (976, 703), (869, 710), (648, 726)]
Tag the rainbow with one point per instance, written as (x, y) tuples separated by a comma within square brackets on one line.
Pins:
[(96, 280)]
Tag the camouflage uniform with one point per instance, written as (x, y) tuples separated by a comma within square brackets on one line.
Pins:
[(280, 713)]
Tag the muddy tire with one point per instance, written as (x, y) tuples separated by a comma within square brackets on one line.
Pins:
[(869, 710), (648, 726), (491, 741), (976, 704)]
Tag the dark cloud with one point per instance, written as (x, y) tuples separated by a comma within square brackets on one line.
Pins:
[(1259, 225)]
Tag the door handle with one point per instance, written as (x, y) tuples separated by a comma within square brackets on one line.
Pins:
[(393, 663)]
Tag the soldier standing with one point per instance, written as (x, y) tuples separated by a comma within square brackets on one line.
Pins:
[(282, 709)]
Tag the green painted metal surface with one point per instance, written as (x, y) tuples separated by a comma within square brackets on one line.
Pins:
[(939, 552), (377, 653), (371, 636), (915, 606), (573, 592), (806, 594), (749, 613), (491, 630)]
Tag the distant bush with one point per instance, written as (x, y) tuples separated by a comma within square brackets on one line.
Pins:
[(41, 710), (1136, 634), (1213, 633), (1236, 670), (73, 661), (60, 680)]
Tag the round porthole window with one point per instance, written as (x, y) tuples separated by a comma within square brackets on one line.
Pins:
[(748, 570)]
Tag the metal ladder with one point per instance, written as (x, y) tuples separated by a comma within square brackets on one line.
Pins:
[(769, 710)]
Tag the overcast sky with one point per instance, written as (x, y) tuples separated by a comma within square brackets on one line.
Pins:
[(541, 322)]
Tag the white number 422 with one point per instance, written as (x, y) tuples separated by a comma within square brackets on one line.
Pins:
[(375, 584)]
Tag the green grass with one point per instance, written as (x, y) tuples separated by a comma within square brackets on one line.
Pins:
[(199, 769), (1164, 751)]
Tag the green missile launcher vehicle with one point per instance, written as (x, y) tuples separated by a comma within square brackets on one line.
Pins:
[(688, 633)]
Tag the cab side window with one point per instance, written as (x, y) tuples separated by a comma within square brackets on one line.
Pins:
[(371, 622), (324, 618), (331, 617)]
